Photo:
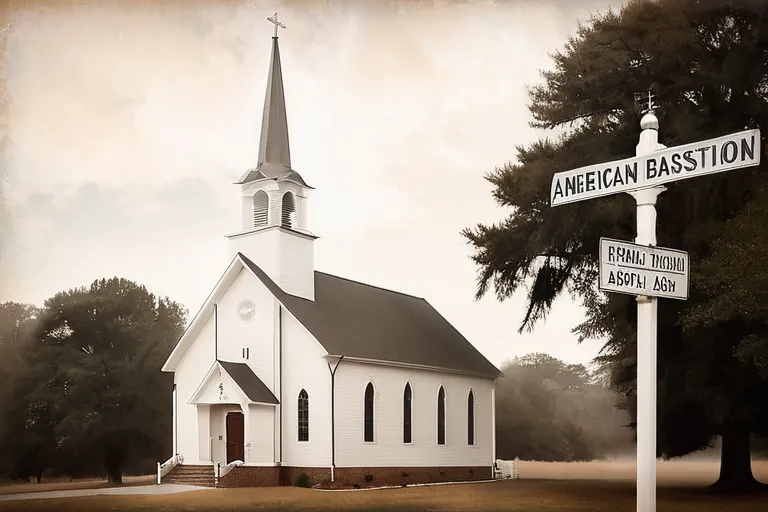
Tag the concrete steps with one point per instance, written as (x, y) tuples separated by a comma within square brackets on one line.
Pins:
[(202, 476)]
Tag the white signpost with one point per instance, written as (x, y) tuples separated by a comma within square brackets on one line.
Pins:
[(643, 177), (642, 270)]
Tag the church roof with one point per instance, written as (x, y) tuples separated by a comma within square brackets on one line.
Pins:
[(370, 323), (249, 383)]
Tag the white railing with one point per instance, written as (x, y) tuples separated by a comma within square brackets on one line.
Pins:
[(229, 467), (506, 469), (165, 468)]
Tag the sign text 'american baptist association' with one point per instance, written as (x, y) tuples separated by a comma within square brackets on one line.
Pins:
[(671, 164), (636, 269)]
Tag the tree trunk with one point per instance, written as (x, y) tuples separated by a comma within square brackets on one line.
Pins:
[(113, 461), (736, 463), (114, 475), (39, 476), (115, 455)]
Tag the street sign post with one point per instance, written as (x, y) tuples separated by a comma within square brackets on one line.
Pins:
[(643, 178), (639, 270)]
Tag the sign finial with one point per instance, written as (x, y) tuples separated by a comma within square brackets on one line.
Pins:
[(650, 101), (273, 19), (644, 102)]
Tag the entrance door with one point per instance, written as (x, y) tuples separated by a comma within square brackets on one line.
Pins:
[(235, 437)]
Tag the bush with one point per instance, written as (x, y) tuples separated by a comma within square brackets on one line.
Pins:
[(302, 480)]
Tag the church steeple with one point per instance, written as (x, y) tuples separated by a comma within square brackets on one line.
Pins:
[(274, 157), (274, 147), (274, 232)]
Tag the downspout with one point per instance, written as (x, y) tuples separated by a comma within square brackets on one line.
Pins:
[(280, 364), (175, 422), (215, 332), (333, 416)]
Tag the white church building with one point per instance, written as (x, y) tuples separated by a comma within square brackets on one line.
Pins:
[(288, 370)]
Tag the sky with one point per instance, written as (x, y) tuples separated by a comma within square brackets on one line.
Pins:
[(128, 123)]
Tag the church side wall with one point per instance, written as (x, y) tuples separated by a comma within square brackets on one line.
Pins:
[(388, 449), (304, 367), (189, 374)]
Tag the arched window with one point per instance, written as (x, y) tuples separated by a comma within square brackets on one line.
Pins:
[(260, 208), (471, 418), (303, 416), (407, 413), (441, 416), (289, 210), (368, 430)]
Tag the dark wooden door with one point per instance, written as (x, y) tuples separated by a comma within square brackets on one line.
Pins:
[(235, 437)]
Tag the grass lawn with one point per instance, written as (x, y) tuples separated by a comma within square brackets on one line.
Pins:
[(590, 487)]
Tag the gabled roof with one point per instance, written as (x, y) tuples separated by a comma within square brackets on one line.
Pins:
[(363, 322), (249, 383)]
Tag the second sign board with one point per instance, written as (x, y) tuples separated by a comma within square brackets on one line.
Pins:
[(642, 270)]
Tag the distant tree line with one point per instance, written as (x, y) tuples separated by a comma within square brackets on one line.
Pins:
[(82, 393), (549, 410)]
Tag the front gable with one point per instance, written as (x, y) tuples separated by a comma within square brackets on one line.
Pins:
[(239, 317), (218, 387), (232, 383)]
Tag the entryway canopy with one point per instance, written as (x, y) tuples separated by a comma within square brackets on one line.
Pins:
[(232, 383)]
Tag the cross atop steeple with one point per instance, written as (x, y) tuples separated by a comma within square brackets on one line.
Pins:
[(273, 19)]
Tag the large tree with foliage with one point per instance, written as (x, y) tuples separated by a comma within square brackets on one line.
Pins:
[(707, 63), (96, 366)]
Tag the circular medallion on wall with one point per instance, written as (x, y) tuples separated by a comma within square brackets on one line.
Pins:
[(246, 309)]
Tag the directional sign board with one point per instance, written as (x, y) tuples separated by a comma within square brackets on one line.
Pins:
[(642, 270), (671, 164)]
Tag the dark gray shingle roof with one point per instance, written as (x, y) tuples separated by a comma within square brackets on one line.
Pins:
[(358, 320), (249, 382)]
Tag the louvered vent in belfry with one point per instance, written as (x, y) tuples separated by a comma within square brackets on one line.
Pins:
[(260, 208), (289, 210)]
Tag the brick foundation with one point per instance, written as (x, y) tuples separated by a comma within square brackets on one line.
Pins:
[(401, 476), (249, 476), (316, 475)]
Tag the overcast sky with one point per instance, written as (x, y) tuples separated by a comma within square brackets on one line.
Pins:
[(128, 126)]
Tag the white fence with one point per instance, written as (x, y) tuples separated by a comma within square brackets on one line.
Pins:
[(506, 469)]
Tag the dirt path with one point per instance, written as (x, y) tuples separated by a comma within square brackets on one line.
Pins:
[(141, 490)]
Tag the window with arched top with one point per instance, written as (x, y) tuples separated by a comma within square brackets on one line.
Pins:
[(368, 423), (288, 210), (407, 413), (260, 208), (441, 416), (303, 416), (471, 418)]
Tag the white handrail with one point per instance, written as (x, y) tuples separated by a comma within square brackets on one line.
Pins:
[(165, 468), (229, 467)]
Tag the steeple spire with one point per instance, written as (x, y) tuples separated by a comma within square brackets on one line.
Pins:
[(274, 160), (274, 147)]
